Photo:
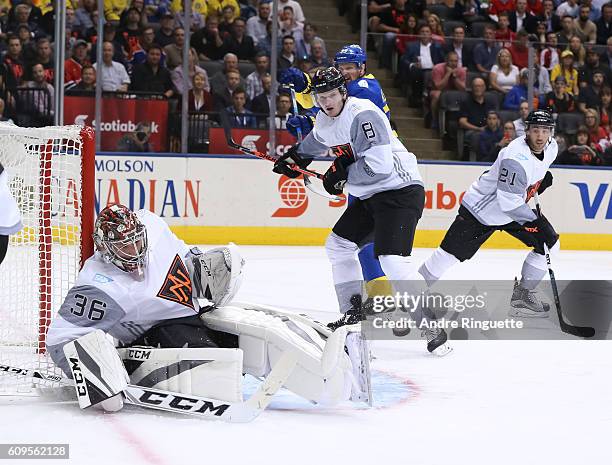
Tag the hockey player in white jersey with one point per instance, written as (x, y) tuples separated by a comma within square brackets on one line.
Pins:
[(146, 287), (498, 200), (375, 167), (10, 217)]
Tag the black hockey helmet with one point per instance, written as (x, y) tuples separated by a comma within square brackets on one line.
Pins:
[(540, 118), (328, 79)]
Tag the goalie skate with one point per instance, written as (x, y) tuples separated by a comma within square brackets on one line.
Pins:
[(359, 353)]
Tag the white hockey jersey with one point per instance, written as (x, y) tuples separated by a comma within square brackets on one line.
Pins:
[(362, 130), (500, 195), (10, 217), (106, 298)]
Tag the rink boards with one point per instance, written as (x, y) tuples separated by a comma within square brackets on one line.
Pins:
[(220, 198)]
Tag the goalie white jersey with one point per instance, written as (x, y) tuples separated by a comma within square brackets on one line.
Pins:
[(500, 195), (106, 298), (362, 131)]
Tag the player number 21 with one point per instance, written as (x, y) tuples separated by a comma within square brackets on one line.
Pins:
[(503, 176), (96, 307)]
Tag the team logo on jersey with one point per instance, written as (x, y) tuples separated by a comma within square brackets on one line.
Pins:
[(344, 150), (177, 285), (531, 190), (100, 278)]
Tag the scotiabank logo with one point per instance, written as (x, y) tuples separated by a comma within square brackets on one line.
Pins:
[(440, 199), (293, 195)]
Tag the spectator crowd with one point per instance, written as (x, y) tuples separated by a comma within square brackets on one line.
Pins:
[(466, 63)]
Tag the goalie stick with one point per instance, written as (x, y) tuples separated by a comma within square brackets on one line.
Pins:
[(168, 401), (580, 331)]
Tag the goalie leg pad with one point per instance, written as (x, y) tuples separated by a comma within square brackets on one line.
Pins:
[(203, 372), (97, 370), (216, 274), (323, 373)]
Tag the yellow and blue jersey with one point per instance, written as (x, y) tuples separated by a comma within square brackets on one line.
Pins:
[(367, 87)]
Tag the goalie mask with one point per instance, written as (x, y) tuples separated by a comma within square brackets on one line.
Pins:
[(121, 238)]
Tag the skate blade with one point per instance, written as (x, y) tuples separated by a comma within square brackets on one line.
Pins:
[(442, 350), (522, 312)]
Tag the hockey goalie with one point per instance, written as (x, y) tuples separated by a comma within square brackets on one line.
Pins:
[(168, 309)]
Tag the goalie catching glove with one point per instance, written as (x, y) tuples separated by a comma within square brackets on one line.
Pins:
[(283, 164)]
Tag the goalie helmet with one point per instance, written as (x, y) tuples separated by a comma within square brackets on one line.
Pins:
[(121, 238)]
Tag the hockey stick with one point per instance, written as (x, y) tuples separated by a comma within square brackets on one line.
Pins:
[(300, 137), (168, 401), (264, 156), (580, 331)]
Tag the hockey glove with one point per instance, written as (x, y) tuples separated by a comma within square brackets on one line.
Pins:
[(335, 177), (291, 156), (296, 77), (542, 231), (546, 182), (299, 122)]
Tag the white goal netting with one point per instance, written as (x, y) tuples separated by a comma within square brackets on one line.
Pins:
[(44, 167)]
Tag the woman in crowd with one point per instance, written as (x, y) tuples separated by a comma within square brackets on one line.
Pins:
[(504, 74), (437, 32), (567, 69)]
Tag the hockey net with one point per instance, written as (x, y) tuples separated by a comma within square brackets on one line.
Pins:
[(51, 175)]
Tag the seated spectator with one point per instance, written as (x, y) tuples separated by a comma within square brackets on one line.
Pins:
[(445, 76), (435, 25), (541, 84), (13, 62), (228, 15), (496, 7), (521, 18), (584, 27), (114, 76), (265, 44), (240, 117), (147, 39), (575, 46), (260, 105), (579, 153), (509, 134), (519, 124), (287, 57), (174, 51), (504, 75), (151, 76), (549, 56), (490, 138), (215, 7), (467, 11), (137, 141), (238, 42), (177, 74), (389, 23), (566, 32), (535, 7), (592, 64), (87, 82), (568, 71), (548, 16), (199, 99), (485, 52), (589, 96), (110, 35), (303, 46), (44, 56), (283, 110), (504, 35), (40, 105), (473, 113), (604, 24), (197, 20), (254, 85), (129, 34), (464, 51), (408, 33), (74, 65), (420, 56), (598, 137), (82, 16), (165, 33), (518, 93), (25, 15), (139, 6), (519, 50), (208, 41), (569, 8), (289, 26), (223, 95), (606, 57), (559, 100), (295, 6), (605, 111), (317, 57), (256, 25), (219, 80)]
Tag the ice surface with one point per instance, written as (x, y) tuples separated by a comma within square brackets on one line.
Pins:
[(490, 402)]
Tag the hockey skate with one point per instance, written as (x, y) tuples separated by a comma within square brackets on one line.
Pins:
[(359, 353), (525, 303), (352, 316), (437, 341)]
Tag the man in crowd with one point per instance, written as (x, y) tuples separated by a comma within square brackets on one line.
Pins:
[(223, 94), (256, 25), (254, 85), (152, 76), (239, 116), (485, 52), (473, 114), (287, 58), (114, 76), (220, 80), (208, 41), (446, 76), (74, 65), (489, 138), (238, 42)]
